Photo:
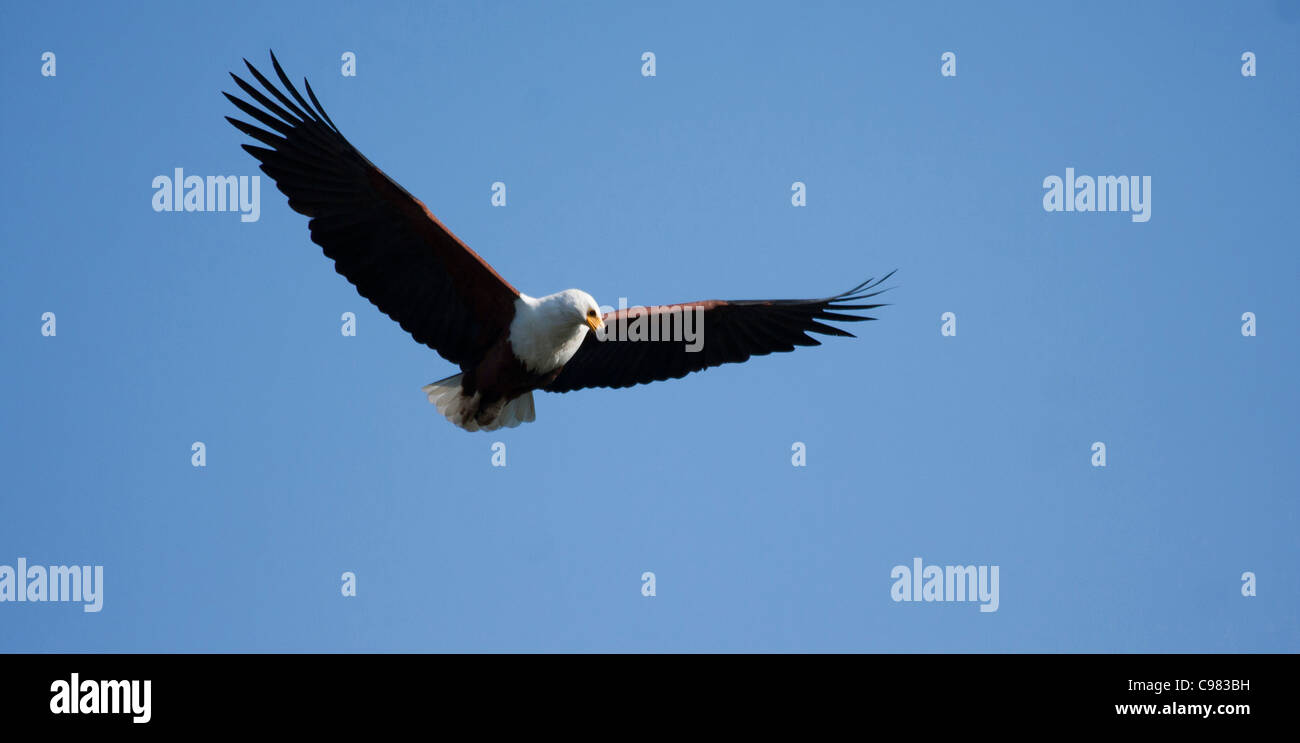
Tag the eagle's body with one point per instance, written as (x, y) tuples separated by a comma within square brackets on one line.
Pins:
[(506, 343), (544, 334)]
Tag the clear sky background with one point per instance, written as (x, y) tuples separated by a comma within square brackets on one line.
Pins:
[(323, 455)]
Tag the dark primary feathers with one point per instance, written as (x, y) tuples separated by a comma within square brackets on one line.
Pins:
[(382, 239), (732, 332)]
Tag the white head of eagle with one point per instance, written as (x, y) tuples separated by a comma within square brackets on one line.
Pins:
[(547, 332), (507, 344)]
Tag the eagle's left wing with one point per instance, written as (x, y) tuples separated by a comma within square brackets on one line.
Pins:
[(381, 238)]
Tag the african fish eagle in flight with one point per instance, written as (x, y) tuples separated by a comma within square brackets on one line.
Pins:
[(507, 344)]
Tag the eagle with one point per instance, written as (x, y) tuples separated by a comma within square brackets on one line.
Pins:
[(402, 259)]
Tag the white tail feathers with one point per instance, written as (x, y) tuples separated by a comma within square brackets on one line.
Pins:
[(455, 406)]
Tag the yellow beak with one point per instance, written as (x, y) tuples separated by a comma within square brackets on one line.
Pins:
[(594, 323)]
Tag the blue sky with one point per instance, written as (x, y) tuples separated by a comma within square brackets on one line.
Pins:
[(323, 455)]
